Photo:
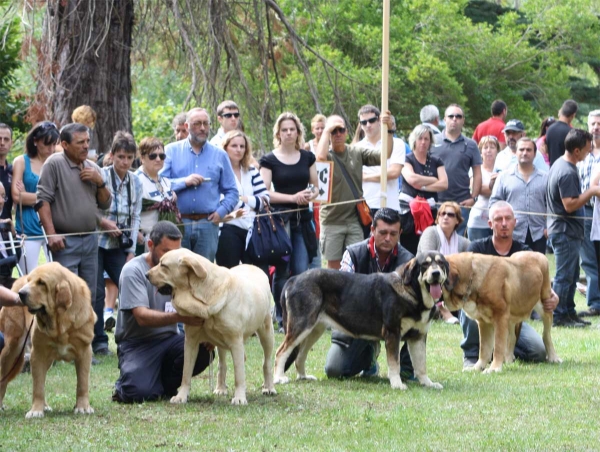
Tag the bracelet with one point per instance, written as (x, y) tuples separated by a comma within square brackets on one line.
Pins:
[(102, 185)]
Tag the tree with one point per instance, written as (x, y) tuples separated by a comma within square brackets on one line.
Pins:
[(84, 58)]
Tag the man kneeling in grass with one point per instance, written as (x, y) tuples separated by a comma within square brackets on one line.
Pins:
[(149, 345)]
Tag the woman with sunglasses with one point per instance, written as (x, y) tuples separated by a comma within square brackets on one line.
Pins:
[(442, 237), (39, 145), (477, 226), (155, 187), (423, 175), (291, 169)]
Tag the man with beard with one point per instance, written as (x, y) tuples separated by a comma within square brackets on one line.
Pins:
[(513, 132), (200, 173), (149, 346)]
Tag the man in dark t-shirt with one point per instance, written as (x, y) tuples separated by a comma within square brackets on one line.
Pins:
[(6, 169), (565, 204), (529, 346), (557, 132)]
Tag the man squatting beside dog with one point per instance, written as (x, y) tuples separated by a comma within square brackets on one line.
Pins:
[(70, 183), (380, 253), (529, 346), (149, 346)]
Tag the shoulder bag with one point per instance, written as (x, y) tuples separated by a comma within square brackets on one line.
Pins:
[(269, 242)]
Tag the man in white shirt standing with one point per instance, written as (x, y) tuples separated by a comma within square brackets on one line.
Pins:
[(368, 116)]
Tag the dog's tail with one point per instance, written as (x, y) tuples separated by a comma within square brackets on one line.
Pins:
[(284, 316)]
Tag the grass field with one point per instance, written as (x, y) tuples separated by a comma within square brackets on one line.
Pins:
[(526, 407)]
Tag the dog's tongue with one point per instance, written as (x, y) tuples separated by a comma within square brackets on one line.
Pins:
[(435, 290)]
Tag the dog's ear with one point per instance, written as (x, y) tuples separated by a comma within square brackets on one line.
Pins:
[(193, 265), (64, 297), (451, 278), (409, 272)]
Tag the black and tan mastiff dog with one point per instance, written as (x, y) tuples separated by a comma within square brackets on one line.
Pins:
[(391, 307)]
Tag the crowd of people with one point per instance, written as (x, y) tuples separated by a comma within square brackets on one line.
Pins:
[(495, 193)]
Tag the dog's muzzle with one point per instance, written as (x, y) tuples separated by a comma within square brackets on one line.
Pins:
[(435, 279)]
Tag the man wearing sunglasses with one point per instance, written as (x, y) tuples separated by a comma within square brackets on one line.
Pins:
[(228, 115), (369, 124), (340, 225), (460, 155)]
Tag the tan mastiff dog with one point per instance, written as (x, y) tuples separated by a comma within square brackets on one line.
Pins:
[(235, 303)]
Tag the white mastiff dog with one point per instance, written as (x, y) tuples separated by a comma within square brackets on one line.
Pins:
[(235, 303)]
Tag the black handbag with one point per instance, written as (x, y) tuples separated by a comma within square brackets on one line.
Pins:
[(269, 242)]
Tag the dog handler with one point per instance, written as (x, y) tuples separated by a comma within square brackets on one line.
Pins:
[(380, 253), (149, 345), (7, 298)]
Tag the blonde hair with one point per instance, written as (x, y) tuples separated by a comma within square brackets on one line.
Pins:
[(318, 118), (489, 139), (85, 115), (299, 127), (247, 158)]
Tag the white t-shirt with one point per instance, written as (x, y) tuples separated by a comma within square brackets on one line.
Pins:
[(478, 218), (371, 190)]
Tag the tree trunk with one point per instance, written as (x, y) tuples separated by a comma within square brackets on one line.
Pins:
[(86, 47)]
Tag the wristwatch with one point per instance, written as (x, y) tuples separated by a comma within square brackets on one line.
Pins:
[(102, 185), (474, 198)]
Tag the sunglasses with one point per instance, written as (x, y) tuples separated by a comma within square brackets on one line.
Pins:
[(160, 156), (455, 116), (229, 115), (448, 214), (340, 130), (370, 120)]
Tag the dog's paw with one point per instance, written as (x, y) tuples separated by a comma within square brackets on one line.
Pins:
[(492, 369), (220, 391), (435, 385), (239, 401), (47, 408), (33, 414), (178, 399), (84, 410), (306, 377), (282, 380), (554, 359), (396, 383), (269, 391)]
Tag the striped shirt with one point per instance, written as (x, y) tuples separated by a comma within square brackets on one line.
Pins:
[(585, 169), (253, 187), (122, 207)]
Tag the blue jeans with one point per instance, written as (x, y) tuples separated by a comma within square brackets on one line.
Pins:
[(80, 255), (566, 252), (589, 263), (1, 341), (478, 233), (529, 347), (111, 261), (297, 264), (465, 212), (201, 237)]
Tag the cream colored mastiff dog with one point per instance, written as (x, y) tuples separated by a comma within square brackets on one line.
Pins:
[(235, 304)]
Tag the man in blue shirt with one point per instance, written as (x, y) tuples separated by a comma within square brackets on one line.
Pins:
[(200, 173)]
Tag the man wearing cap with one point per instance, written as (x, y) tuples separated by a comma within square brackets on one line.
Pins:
[(513, 131), (493, 126)]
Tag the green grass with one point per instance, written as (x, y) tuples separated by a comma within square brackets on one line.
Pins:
[(526, 407)]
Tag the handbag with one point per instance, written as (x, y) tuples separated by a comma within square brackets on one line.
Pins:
[(269, 242), (362, 208)]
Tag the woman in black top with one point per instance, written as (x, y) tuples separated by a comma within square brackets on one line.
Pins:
[(291, 169), (423, 175)]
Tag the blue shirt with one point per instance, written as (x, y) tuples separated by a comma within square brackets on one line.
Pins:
[(211, 162)]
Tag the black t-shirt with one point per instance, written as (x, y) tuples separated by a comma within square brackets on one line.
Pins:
[(6, 179), (429, 169), (555, 140), (486, 246), (289, 179)]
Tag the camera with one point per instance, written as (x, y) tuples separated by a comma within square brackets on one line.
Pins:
[(125, 240)]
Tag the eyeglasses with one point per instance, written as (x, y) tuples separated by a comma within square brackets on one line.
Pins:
[(205, 124), (454, 116), (448, 214), (161, 156), (370, 120), (338, 130), (229, 115)]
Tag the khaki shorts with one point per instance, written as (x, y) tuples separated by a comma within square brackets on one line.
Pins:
[(335, 238)]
